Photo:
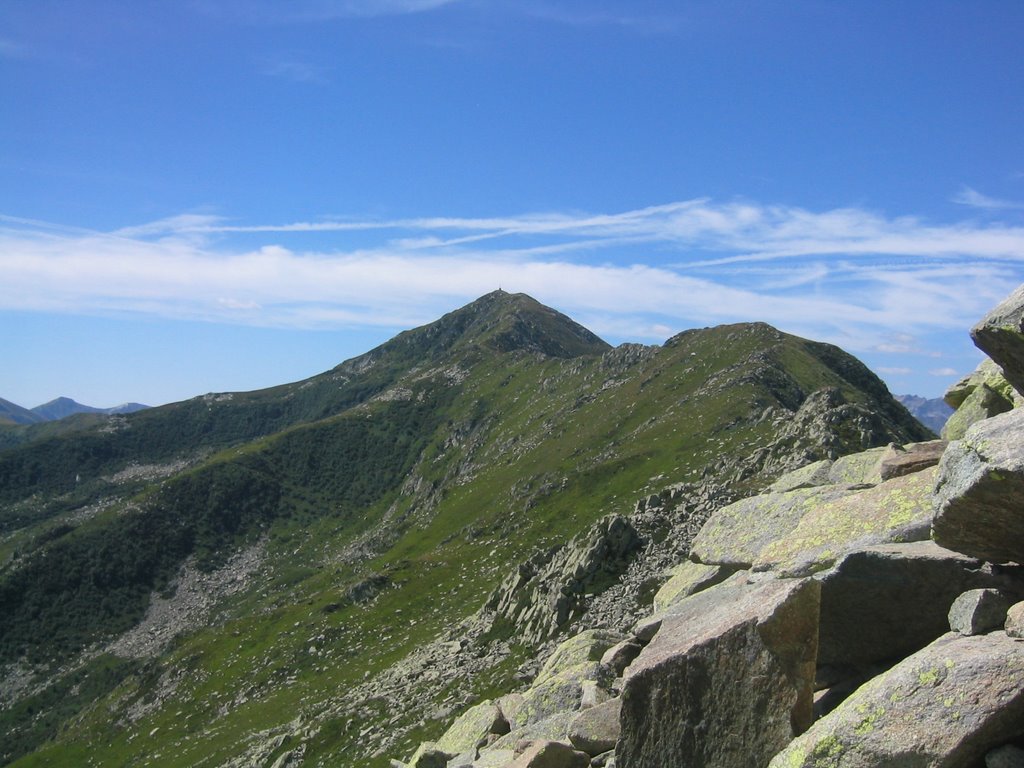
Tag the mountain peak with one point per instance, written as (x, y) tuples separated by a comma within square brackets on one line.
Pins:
[(505, 322)]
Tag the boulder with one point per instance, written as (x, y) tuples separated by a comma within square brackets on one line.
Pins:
[(621, 655), (980, 491), (427, 755), (885, 602), (1000, 334), (978, 611), (736, 534), (980, 395), (858, 469), (808, 476), (913, 457), (552, 728), (686, 579), (727, 681), (1015, 621), (472, 728), (946, 705), (494, 758), (898, 510), (551, 754), (560, 691), (596, 730)]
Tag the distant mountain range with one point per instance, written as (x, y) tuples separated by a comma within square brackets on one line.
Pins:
[(56, 409), (932, 412)]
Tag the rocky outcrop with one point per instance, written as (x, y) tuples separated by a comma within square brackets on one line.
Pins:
[(979, 611), (1000, 334), (727, 680), (979, 491), (551, 591), (947, 705), (980, 395)]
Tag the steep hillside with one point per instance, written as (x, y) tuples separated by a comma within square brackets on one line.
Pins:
[(10, 413), (309, 562)]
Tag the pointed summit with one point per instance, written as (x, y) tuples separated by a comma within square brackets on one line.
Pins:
[(504, 322)]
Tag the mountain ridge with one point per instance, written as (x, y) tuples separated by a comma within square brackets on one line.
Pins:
[(387, 496)]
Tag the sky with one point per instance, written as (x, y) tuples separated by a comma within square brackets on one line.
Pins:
[(220, 195)]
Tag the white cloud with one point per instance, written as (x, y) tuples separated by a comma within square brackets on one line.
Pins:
[(891, 371), (973, 198), (944, 372), (307, 11), (844, 276)]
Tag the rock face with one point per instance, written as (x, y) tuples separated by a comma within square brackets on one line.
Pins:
[(1001, 335), (548, 592), (898, 510), (946, 705), (868, 597), (727, 680), (980, 489)]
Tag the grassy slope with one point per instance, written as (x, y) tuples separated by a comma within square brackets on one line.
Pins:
[(542, 448)]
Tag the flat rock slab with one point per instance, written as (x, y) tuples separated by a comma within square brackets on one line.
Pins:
[(472, 728), (980, 491), (736, 534), (1000, 334), (905, 460), (898, 510), (551, 754), (947, 705), (687, 579), (728, 679), (867, 600)]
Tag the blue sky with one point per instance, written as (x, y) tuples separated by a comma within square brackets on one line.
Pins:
[(215, 195)]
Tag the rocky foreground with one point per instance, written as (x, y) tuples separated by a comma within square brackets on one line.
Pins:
[(865, 611)]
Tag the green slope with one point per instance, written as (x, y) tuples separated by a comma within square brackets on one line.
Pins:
[(386, 499)]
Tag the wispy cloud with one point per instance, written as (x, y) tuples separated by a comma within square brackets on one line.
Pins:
[(853, 277), (295, 70), (975, 199), (306, 11), (9, 49)]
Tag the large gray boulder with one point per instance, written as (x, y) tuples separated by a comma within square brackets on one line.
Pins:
[(596, 730), (472, 728), (888, 601), (1001, 335), (727, 681), (947, 705), (979, 611), (980, 491), (980, 395), (736, 534), (897, 510), (551, 754)]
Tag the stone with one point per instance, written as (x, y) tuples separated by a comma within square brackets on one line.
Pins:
[(978, 611), (686, 579), (560, 691), (910, 458), (982, 394), (1006, 756), (494, 758), (472, 728), (946, 705), (621, 655), (808, 476), (1000, 334), (551, 754), (1015, 621), (593, 694), (888, 601), (552, 728), (587, 646), (898, 510), (728, 679), (980, 491), (596, 730), (736, 534), (858, 469), (427, 755)]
